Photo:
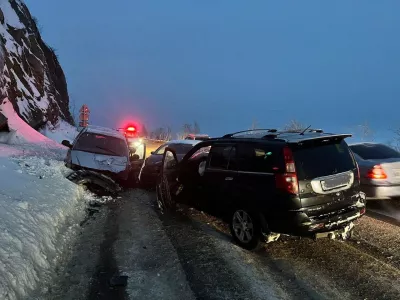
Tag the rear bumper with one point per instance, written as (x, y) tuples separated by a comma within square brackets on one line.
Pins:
[(381, 192), (300, 224)]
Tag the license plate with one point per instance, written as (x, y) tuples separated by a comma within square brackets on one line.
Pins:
[(335, 182)]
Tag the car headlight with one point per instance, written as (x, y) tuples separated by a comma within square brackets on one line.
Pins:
[(136, 143)]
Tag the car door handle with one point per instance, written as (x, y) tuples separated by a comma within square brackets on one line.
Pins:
[(228, 178)]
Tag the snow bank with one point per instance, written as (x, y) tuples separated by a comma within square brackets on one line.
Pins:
[(59, 132), (20, 132), (39, 208)]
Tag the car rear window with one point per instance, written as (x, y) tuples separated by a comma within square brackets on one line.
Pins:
[(317, 160), (375, 151), (101, 144)]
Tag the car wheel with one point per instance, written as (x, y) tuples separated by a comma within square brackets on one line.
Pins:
[(246, 229), (164, 197)]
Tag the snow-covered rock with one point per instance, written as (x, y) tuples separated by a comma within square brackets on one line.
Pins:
[(33, 78)]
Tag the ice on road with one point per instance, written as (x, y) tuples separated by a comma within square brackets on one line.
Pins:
[(189, 255)]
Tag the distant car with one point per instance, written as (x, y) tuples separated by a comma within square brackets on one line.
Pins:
[(267, 183), (151, 167), (104, 151), (197, 137), (379, 169)]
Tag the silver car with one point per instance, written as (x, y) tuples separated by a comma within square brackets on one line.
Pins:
[(379, 170), (102, 150)]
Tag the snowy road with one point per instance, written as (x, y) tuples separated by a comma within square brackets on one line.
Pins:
[(189, 255)]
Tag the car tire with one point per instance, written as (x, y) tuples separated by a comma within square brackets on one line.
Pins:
[(246, 229), (164, 197)]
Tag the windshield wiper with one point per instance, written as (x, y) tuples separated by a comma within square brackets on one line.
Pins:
[(108, 150)]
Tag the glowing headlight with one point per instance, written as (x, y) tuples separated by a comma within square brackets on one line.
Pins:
[(136, 144)]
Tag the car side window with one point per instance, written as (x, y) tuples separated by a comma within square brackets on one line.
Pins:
[(257, 158), (221, 157), (161, 150), (200, 153)]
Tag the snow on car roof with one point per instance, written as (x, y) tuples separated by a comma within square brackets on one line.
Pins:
[(104, 131)]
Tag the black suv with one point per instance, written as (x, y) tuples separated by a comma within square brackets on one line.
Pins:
[(268, 182)]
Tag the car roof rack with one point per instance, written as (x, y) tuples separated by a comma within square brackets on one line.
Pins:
[(315, 130), (249, 130), (309, 130), (297, 131)]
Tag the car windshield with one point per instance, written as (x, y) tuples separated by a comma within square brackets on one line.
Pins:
[(323, 160), (375, 151), (178, 148), (101, 144)]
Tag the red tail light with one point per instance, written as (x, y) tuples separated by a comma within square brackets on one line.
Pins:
[(377, 172), (288, 181)]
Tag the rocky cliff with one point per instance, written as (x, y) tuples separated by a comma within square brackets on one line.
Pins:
[(33, 78)]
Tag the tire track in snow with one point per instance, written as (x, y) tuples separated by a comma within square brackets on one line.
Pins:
[(144, 253), (107, 268)]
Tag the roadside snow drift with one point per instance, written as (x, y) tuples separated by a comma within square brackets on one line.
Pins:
[(20, 132), (39, 208), (59, 132)]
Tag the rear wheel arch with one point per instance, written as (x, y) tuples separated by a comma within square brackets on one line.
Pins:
[(251, 206), (254, 238)]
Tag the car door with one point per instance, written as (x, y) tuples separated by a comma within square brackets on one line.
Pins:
[(191, 176), (219, 177), (167, 187)]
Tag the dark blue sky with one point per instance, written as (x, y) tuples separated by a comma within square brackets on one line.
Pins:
[(332, 64)]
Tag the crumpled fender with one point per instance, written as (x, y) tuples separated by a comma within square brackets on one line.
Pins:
[(92, 178)]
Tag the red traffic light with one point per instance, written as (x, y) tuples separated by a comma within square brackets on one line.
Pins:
[(131, 129)]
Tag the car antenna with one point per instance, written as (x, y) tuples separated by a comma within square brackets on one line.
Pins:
[(302, 133)]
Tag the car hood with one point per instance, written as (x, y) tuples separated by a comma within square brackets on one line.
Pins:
[(115, 164)]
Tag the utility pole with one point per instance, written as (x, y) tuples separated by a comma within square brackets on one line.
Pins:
[(84, 116)]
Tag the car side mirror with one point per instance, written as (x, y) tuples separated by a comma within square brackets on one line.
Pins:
[(67, 144), (152, 152)]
